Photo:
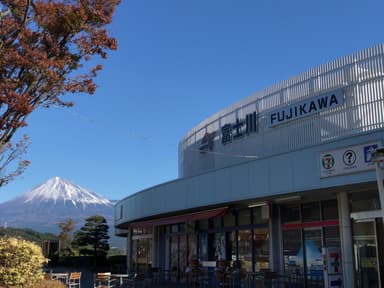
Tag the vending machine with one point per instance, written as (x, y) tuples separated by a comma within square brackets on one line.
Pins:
[(333, 274)]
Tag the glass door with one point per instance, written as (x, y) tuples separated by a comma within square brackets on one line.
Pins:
[(244, 241), (183, 257), (365, 249), (178, 257), (313, 258), (293, 253), (174, 258)]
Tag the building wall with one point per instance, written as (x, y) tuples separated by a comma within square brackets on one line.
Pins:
[(281, 174)]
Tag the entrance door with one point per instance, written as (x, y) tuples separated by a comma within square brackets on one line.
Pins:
[(178, 257), (313, 258), (366, 252)]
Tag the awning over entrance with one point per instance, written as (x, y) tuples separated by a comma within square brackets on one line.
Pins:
[(181, 218)]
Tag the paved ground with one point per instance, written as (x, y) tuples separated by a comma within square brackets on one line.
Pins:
[(87, 279)]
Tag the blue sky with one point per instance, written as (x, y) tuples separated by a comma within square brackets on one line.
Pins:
[(180, 61)]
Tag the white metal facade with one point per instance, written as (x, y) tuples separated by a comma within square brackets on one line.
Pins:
[(360, 77)]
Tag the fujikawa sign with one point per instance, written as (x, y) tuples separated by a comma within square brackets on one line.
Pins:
[(305, 108)]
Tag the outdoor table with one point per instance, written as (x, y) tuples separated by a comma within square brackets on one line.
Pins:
[(121, 277)]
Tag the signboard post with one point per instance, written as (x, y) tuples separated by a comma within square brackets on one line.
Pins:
[(332, 267)]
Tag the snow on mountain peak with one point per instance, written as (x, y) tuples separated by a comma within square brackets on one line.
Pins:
[(61, 190)]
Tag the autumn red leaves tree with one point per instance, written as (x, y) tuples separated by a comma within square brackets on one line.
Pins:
[(44, 48)]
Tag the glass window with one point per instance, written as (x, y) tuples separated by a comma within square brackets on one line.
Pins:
[(216, 222), (183, 254), (231, 246), (256, 213), (119, 212), (134, 255), (364, 229), (244, 217), (364, 201), (174, 228), (142, 231), (203, 246), (137, 231), (147, 230), (245, 249), (311, 212), (192, 247), (219, 246), (174, 257), (229, 220), (366, 256), (292, 252), (203, 224), (330, 210), (260, 214), (190, 227), (261, 248), (313, 258), (142, 251), (290, 213), (332, 236)]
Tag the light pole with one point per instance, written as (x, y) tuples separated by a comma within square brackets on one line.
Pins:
[(378, 158)]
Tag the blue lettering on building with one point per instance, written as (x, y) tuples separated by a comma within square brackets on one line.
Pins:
[(306, 108), (238, 129)]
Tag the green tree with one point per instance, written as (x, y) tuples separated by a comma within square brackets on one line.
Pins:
[(65, 236), (21, 262), (26, 234), (92, 238)]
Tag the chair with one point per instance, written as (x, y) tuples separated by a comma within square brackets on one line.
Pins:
[(74, 280), (103, 280), (62, 277)]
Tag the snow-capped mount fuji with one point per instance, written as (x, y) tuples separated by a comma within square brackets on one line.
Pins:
[(52, 202), (62, 191)]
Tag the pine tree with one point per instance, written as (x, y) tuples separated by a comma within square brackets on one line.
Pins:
[(92, 238)]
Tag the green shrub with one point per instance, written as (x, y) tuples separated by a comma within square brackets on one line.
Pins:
[(21, 262)]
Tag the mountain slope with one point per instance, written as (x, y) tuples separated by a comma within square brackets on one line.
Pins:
[(52, 202), (61, 191)]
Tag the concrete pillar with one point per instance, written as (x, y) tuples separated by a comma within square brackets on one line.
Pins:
[(346, 240), (155, 247), (275, 247), (129, 251)]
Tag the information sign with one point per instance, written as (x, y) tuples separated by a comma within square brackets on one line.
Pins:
[(347, 160)]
